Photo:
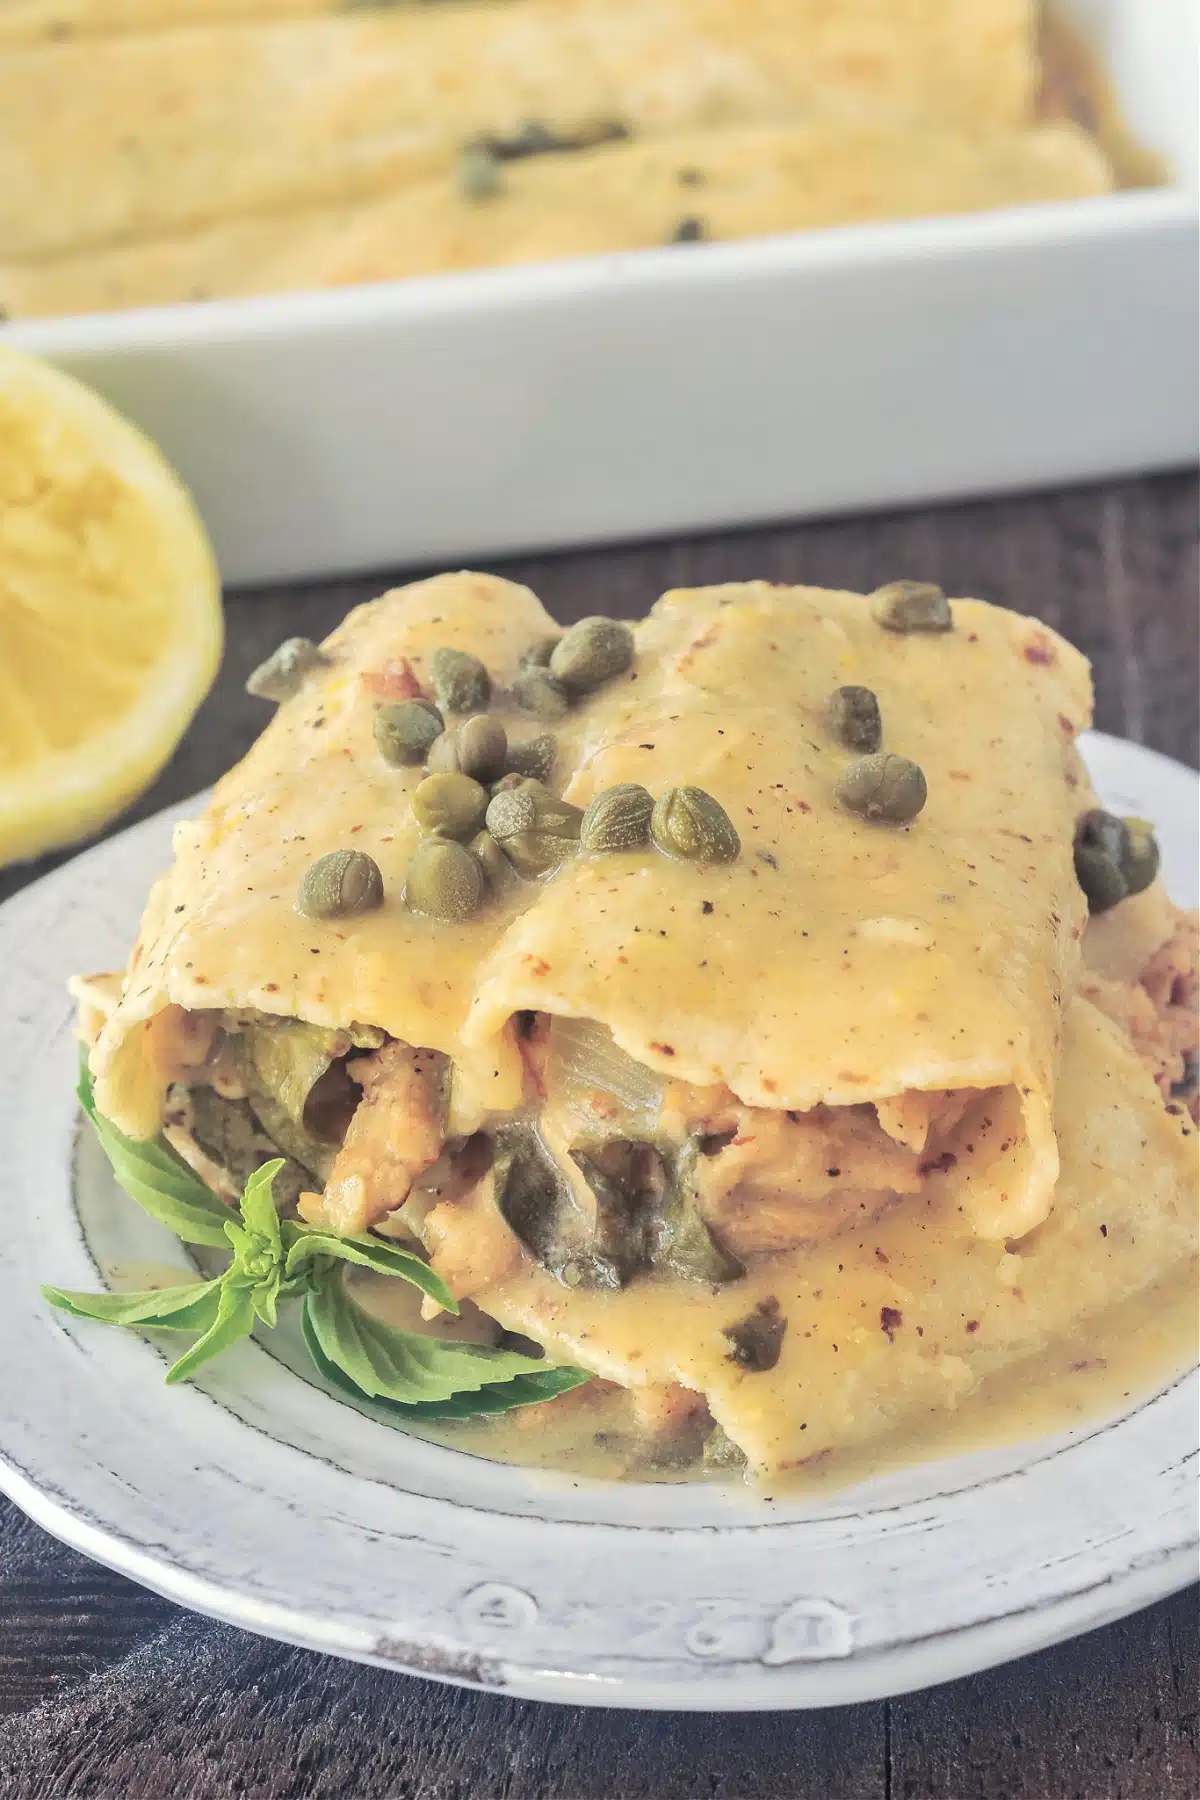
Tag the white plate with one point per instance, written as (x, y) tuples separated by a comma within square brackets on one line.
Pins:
[(257, 1498), (665, 390)]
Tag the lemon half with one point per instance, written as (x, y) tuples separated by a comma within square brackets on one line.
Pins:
[(110, 609)]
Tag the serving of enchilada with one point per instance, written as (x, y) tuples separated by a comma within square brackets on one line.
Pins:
[(743, 1034)]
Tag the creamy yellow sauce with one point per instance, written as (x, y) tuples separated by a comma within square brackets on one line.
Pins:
[(1111, 1363)]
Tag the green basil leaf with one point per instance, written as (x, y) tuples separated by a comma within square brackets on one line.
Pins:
[(265, 1295), (234, 1321), (497, 1397), (408, 1369), (160, 1181), (258, 1205), (304, 1245), (192, 1306)]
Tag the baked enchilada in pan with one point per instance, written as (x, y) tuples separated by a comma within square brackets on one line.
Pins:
[(743, 1032)]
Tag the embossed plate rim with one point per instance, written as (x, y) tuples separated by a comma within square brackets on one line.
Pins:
[(192, 1498)]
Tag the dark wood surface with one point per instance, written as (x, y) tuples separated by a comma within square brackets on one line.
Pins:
[(107, 1690)]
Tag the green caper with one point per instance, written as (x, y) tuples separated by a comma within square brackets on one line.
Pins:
[(690, 826), (537, 655), (1103, 884), (460, 681), (449, 806), (852, 716), (339, 885), (478, 747), (1113, 857), (883, 786), (1141, 865), (535, 758), (617, 819), (1104, 832), (497, 869), (285, 670), (1102, 851), (911, 606), (444, 881), (591, 653), (535, 829), (405, 730), (539, 692), (478, 173)]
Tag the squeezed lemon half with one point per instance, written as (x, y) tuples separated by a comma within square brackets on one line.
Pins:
[(110, 610)]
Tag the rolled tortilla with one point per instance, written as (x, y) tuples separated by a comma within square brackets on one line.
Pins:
[(904, 1319), (108, 140), (741, 181)]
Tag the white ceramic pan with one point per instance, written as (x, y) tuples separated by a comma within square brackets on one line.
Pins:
[(465, 415)]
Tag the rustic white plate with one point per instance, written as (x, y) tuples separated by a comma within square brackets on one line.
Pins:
[(259, 1499)]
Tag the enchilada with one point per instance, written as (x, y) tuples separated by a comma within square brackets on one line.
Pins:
[(705, 1003)]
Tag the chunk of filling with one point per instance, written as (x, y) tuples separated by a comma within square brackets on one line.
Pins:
[(609, 1174), (1159, 1011)]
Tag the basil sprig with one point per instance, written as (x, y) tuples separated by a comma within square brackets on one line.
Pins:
[(411, 1376), (157, 1177), (403, 1374)]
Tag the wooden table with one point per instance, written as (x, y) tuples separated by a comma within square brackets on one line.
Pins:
[(107, 1690)]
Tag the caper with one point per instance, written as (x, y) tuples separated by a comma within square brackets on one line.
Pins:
[(497, 869), (911, 606), (405, 730), (617, 819), (852, 716), (1104, 832), (537, 655), (478, 172), (535, 758), (883, 786), (478, 747), (339, 885), (1102, 850), (591, 653), (535, 830), (444, 881), (539, 692), (449, 806), (1100, 878), (1113, 857), (284, 672), (460, 681), (1141, 865), (690, 826)]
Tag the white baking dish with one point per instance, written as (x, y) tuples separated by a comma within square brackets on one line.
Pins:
[(465, 415)]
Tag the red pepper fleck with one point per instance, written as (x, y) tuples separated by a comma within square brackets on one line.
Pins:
[(972, 1324), (1040, 650), (890, 1320), (663, 1049), (394, 682)]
